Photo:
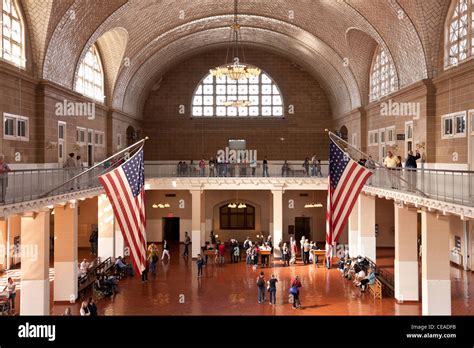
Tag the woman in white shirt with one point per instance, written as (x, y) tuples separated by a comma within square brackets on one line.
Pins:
[(84, 309), (11, 289)]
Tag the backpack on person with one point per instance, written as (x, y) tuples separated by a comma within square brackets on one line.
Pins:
[(260, 282)]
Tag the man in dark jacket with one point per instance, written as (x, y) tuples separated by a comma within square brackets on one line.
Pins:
[(410, 166)]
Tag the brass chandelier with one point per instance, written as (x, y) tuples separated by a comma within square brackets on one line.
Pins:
[(235, 70)]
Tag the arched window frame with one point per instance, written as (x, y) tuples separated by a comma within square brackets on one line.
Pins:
[(262, 91), (91, 86), (383, 75), (12, 31), (247, 214), (459, 33)]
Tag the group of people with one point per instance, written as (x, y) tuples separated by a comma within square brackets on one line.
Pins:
[(358, 270), (88, 308), (269, 286), (289, 253)]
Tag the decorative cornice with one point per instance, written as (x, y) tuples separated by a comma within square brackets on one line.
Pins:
[(406, 198), (38, 204)]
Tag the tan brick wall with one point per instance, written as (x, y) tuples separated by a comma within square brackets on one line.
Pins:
[(174, 136)]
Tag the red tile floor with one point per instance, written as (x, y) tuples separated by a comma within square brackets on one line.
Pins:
[(231, 290)]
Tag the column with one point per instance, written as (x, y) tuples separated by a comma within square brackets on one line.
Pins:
[(406, 253), (196, 222), (65, 252), (118, 240), (277, 220), (366, 236), (353, 231), (14, 230), (3, 242), (435, 278), (106, 222), (35, 241)]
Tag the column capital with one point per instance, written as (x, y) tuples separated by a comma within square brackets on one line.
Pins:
[(197, 189), (278, 190)]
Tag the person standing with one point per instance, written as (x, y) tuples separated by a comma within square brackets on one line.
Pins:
[(296, 285), (313, 164), (285, 255), (199, 263), (11, 290), (410, 165), (265, 167), (285, 169), (221, 253), (153, 258), (272, 289), (202, 167), (213, 238), (165, 251), (293, 251), (302, 249), (261, 287), (70, 166), (319, 173), (306, 166), (391, 163), (91, 306), (306, 249), (253, 165), (93, 240), (212, 166), (187, 241), (4, 169), (84, 309)]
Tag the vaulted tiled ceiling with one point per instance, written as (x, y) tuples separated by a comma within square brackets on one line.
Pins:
[(152, 35)]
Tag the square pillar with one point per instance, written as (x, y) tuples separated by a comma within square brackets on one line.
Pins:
[(35, 293), (353, 231), (3, 243), (65, 252), (435, 264), (277, 220), (106, 222), (196, 222), (406, 254), (366, 236), (118, 240)]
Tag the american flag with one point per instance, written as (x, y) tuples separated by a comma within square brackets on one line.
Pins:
[(346, 180), (125, 188)]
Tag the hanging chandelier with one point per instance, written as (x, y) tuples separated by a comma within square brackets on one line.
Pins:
[(235, 70), (237, 103), (312, 204), (237, 204)]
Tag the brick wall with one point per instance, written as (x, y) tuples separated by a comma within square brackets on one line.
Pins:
[(175, 136)]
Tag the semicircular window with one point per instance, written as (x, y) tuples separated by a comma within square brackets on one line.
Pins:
[(250, 97)]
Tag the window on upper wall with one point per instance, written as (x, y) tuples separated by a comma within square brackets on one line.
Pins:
[(383, 76), (237, 218), (15, 127), (391, 135), (261, 92), (459, 33), (12, 44), (90, 76), (453, 125)]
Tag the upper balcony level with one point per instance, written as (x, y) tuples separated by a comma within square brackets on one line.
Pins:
[(449, 191)]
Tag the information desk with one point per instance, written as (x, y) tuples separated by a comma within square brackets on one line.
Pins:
[(321, 255), (211, 254), (267, 254)]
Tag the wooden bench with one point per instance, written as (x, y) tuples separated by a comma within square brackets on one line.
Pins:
[(376, 289)]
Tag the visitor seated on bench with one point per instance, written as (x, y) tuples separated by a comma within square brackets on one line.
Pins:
[(100, 286), (369, 279), (124, 266)]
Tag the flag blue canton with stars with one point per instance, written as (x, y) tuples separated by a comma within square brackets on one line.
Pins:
[(338, 162), (134, 170)]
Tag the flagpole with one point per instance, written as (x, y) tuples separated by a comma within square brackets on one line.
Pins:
[(377, 164), (140, 142)]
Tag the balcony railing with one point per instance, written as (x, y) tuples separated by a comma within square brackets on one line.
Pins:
[(452, 186), (275, 169)]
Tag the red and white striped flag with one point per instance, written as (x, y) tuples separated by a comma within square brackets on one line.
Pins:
[(346, 180), (125, 188)]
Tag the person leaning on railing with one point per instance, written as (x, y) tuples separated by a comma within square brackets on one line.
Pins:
[(4, 169), (391, 163), (410, 165)]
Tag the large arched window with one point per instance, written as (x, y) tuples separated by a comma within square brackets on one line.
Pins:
[(12, 45), (90, 77), (213, 93), (383, 76), (460, 32)]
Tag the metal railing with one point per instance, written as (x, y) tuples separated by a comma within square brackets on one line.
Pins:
[(293, 169), (454, 186)]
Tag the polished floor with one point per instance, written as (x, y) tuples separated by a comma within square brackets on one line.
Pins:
[(231, 290)]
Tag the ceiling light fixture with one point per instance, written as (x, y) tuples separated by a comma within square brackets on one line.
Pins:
[(235, 70)]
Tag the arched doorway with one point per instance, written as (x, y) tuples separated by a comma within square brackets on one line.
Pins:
[(132, 136), (344, 133)]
